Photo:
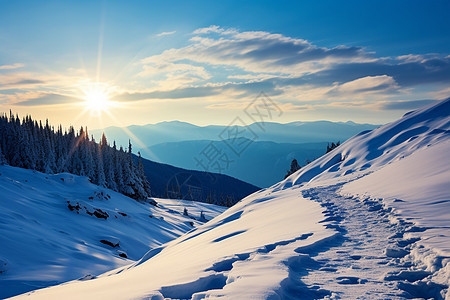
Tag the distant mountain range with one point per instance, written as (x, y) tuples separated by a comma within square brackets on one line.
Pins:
[(265, 149), (175, 131)]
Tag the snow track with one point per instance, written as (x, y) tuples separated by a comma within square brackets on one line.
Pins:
[(371, 257)]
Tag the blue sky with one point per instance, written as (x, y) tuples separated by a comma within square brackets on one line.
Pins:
[(203, 62)]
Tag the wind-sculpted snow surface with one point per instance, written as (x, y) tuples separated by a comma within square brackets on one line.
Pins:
[(244, 252), (359, 223), (55, 228)]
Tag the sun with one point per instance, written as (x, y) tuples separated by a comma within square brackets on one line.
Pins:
[(97, 101), (97, 98)]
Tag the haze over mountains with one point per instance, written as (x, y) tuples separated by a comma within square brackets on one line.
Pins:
[(176, 131), (261, 164), (271, 146)]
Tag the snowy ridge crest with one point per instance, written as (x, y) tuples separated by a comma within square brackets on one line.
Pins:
[(373, 149)]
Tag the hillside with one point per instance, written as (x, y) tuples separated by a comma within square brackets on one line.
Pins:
[(172, 182), (331, 230), (55, 228)]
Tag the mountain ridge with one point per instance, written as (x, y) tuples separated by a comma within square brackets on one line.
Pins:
[(178, 122), (315, 131)]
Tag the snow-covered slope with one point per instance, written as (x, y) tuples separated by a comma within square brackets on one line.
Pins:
[(200, 260), (328, 231), (371, 150), (409, 166), (55, 228), (418, 188)]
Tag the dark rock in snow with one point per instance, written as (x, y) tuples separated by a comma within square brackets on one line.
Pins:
[(112, 244), (73, 207), (87, 277)]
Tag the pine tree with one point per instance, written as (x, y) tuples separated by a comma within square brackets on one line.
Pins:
[(118, 171), (294, 168), (101, 180), (2, 157), (141, 174), (103, 142)]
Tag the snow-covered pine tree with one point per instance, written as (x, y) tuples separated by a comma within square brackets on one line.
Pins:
[(128, 179), (101, 180), (30, 144), (89, 162), (118, 170), (141, 173), (110, 176), (294, 168), (2, 157)]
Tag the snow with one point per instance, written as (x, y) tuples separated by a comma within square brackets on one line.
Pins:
[(369, 220), (201, 259), (43, 242), (405, 163), (423, 199)]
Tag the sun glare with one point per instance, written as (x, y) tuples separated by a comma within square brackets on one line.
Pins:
[(97, 99)]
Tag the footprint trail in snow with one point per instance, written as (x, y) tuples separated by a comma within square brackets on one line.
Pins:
[(369, 259)]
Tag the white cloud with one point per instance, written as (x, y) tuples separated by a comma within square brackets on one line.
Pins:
[(174, 75), (214, 29), (369, 84), (258, 51), (410, 58), (441, 94), (19, 80), (242, 105), (13, 66), (166, 33), (242, 64)]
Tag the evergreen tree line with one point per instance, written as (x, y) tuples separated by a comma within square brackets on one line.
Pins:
[(30, 144), (222, 200), (175, 191), (332, 146), (295, 166)]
